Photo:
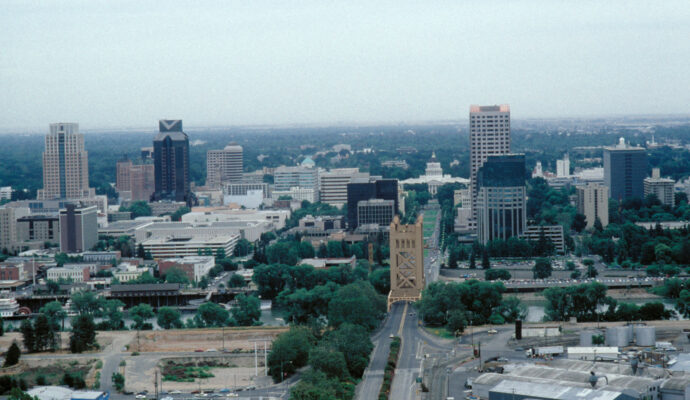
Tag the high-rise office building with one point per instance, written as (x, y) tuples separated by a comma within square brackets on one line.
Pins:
[(171, 162), (661, 187), (8, 229), (369, 188), (333, 184), (78, 228), (625, 168), (593, 203), (224, 166), (563, 166), (489, 135), (65, 164), (135, 181), (501, 198), (285, 178), (375, 211)]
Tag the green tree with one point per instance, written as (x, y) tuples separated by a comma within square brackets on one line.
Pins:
[(12, 356), (579, 222), (236, 280), (247, 310), (306, 250), (140, 314), (176, 275), (592, 271), (83, 335), (457, 321), (138, 209), (44, 336), (329, 361), (87, 303), (169, 317), (177, 215), (486, 264), (141, 253), (380, 279), (242, 248), (118, 381), (211, 315), (356, 303), (354, 343), (542, 268), (494, 274), (289, 351), (323, 251), (28, 335), (16, 393), (473, 262), (55, 313)]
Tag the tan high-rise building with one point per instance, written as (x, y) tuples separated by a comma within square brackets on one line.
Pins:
[(65, 164), (489, 135), (135, 181), (593, 203), (407, 261), (224, 166), (333, 184), (8, 229), (663, 188)]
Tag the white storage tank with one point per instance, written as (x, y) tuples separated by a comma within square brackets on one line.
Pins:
[(617, 336), (586, 337), (645, 335)]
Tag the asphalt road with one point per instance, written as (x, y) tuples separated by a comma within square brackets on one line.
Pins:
[(371, 382)]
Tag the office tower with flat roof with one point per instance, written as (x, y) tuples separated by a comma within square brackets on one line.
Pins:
[(375, 211), (286, 178), (489, 135), (171, 162), (78, 228), (65, 164), (224, 166), (333, 184), (661, 187), (593, 203), (135, 182), (625, 168), (563, 166), (369, 188), (501, 198)]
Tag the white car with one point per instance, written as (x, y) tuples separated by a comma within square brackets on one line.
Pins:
[(140, 396), (232, 395), (492, 331), (175, 392)]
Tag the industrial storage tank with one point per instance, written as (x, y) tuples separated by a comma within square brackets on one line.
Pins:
[(617, 336), (586, 338), (645, 335)]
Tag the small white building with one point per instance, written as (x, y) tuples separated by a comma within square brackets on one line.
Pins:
[(592, 353)]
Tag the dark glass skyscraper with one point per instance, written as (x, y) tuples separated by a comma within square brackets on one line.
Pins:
[(501, 198), (171, 162), (625, 168), (369, 188)]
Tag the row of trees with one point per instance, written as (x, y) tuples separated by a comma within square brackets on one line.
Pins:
[(332, 313), (455, 305), (589, 302)]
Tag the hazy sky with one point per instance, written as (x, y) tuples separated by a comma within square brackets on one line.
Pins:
[(128, 63)]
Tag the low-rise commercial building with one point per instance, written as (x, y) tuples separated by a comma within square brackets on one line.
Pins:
[(330, 262), (552, 233), (195, 267), (182, 246), (74, 273)]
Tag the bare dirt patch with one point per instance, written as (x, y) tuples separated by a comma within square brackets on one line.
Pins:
[(236, 339)]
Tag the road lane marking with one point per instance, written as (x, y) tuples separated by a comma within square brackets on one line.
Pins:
[(402, 322)]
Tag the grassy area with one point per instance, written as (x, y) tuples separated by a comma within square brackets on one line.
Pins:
[(53, 374), (429, 222), (440, 332), (189, 372)]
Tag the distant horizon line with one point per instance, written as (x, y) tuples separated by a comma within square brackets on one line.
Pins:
[(153, 128)]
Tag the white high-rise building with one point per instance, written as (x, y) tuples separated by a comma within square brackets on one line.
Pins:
[(65, 164), (224, 166), (663, 188), (563, 167), (489, 135)]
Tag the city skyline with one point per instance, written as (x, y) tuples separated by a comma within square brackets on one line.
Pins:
[(265, 64)]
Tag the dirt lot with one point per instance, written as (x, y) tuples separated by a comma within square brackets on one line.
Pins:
[(140, 373), (202, 339)]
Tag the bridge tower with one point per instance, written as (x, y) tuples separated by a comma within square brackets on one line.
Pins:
[(407, 261)]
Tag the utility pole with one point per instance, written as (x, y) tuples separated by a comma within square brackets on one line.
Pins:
[(265, 358), (223, 335), (480, 357), (155, 384), (256, 362)]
